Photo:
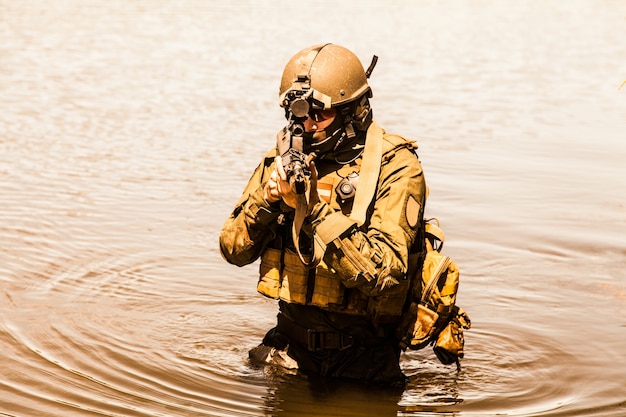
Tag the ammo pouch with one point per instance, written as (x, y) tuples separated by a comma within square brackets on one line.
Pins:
[(433, 317), (419, 324), (449, 344)]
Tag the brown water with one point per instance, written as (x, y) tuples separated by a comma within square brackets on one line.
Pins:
[(129, 128)]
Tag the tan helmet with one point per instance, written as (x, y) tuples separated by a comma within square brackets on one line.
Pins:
[(329, 74)]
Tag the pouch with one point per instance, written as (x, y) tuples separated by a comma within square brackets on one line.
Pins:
[(449, 345), (450, 341), (420, 326)]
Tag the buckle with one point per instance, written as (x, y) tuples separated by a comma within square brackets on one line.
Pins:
[(311, 340), (328, 340), (346, 341)]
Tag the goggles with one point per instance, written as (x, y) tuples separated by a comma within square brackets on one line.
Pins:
[(321, 115)]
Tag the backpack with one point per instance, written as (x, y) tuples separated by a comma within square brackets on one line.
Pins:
[(432, 316)]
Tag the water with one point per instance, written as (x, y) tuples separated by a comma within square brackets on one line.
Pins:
[(128, 130)]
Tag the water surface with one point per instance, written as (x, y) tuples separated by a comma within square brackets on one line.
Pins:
[(128, 130)]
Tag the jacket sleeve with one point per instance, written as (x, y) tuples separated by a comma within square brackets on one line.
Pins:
[(375, 256), (252, 224)]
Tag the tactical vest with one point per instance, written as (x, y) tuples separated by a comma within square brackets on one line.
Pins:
[(283, 275)]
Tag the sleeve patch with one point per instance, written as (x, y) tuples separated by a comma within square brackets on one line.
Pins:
[(412, 211)]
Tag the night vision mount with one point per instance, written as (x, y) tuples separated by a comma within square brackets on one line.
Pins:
[(298, 102)]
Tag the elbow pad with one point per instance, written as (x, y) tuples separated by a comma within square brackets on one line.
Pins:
[(332, 238)]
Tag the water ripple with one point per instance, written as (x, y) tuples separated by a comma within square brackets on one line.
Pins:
[(115, 337), (128, 130)]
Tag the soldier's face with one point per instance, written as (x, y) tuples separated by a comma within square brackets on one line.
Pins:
[(319, 120)]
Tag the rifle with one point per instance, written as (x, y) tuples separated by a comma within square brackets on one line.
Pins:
[(290, 142), (295, 161)]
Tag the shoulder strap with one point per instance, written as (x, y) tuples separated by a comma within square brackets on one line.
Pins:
[(368, 175), (300, 213)]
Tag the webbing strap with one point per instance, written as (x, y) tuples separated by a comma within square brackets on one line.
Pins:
[(300, 214), (329, 230), (435, 231), (337, 223), (443, 264), (333, 226), (368, 175), (448, 290)]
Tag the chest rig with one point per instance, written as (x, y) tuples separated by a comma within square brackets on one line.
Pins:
[(282, 273), (349, 188)]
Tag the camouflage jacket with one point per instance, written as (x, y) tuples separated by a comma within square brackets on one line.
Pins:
[(374, 257)]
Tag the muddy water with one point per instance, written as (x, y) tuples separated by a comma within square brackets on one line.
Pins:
[(129, 128)]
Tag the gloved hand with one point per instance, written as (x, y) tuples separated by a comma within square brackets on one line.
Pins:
[(277, 187)]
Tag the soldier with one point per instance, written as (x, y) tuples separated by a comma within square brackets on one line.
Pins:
[(338, 255)]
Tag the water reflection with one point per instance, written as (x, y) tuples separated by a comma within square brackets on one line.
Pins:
[(290, 395)]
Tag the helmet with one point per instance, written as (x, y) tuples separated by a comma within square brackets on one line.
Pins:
[(325, 77), (330, 75)]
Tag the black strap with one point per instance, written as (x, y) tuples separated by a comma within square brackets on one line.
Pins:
[(310, 284), (314, 340)]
